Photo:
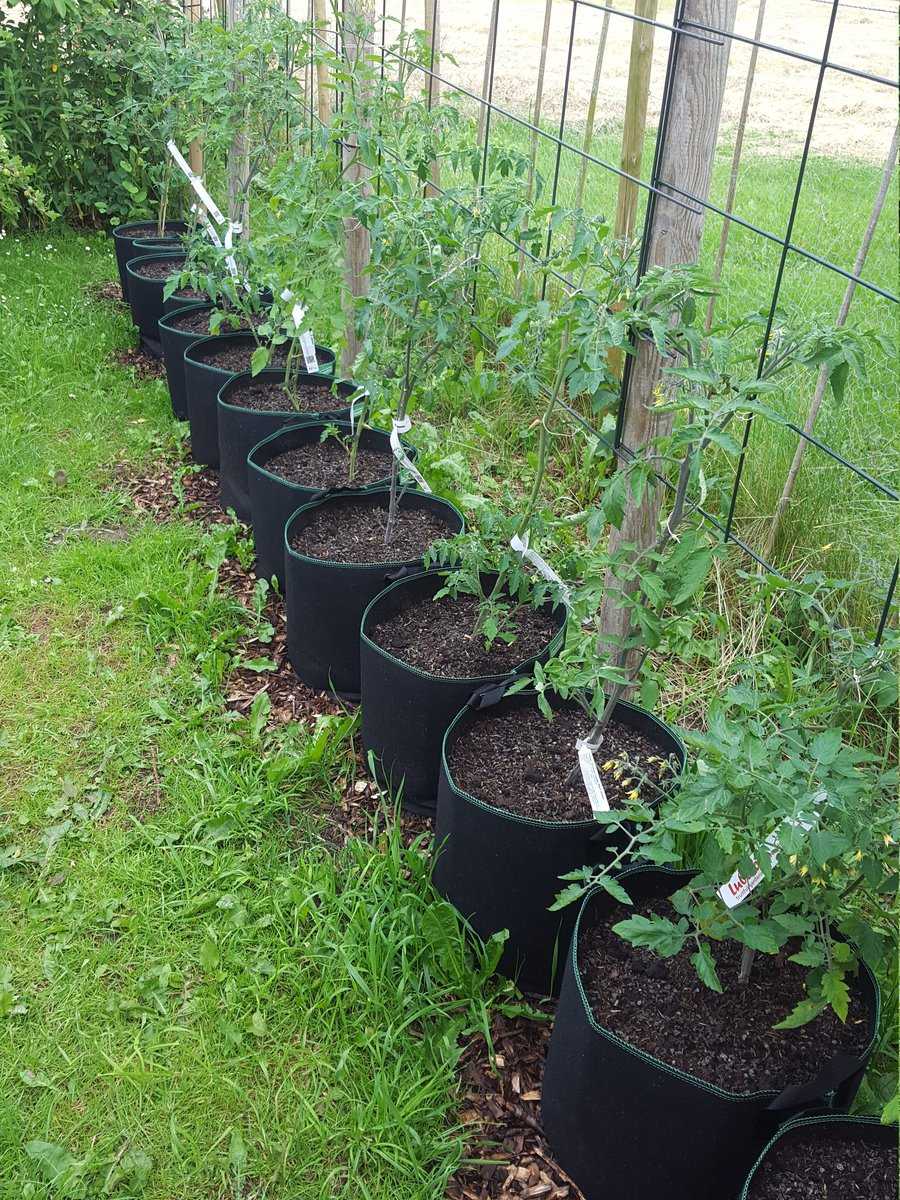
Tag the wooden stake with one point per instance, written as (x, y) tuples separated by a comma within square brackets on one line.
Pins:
[(433, 90), (675, 231), (239, 151), (486, 79), (323, 90), (592, 110), (736, 162), (536, 119), (635, 115), (193, 12), (822, 381), (358, 24)]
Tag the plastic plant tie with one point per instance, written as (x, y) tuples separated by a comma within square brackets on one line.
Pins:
[(196, 183), (739, 887), (397, 428), (540, 564), (232, 228), (593, 784)]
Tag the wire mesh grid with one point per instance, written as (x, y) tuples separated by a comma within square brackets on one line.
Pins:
[(567, 164)]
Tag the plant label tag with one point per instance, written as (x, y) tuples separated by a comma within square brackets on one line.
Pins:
[(593, 784), (196, 183), (737, 889), (540, 564), (308, 346), (404, 426)]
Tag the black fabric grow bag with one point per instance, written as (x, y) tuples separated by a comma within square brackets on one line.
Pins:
[(146, 296), (625, 1125), (866, 1129), (405, 711), (153, 245), (241, 428), (181, 298), (273, 499), (502, 870), (325, 601), (123, 242), (174, 342), (203, 381)]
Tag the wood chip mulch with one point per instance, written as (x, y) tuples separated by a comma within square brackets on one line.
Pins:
[(507, 1156), (364, 811), (144, 365), (501, 1108), (109, 291)]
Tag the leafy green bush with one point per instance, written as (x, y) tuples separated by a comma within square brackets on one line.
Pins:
[(20, 200), (69, 73)]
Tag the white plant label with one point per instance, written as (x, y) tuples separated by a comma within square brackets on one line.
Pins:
[(738, 888), (540, 564), (196, 183), (398, 428), (308, 346), (593, 784)]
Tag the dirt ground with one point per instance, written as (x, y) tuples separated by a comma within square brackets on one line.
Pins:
[(856, 117)]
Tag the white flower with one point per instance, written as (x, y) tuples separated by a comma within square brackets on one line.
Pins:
[(286, 294)]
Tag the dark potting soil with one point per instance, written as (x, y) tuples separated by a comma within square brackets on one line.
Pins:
[(532, 782), (348, 532), (159, 268), (192, 322), (142, 231), (236, 360), (189, 294), (197, 321), (826, 1165), (268, 395), (660, 1006), (323, 464), (439, 636)]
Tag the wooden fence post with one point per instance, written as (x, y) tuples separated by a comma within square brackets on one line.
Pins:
[(358, 26), (673, 232)]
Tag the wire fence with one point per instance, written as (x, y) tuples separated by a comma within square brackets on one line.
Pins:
[(567, 161)]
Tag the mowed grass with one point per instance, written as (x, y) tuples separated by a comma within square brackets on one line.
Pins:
[(198, 997)]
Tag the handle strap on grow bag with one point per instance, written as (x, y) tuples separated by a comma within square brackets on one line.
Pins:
[(404, 572), (488, 696), (836, 1071)]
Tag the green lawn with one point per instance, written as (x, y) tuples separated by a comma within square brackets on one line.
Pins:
[(198, 996)]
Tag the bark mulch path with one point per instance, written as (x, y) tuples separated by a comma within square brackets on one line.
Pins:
[(144, 365), (501, 1108), (109, 291), (500, 1103)]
